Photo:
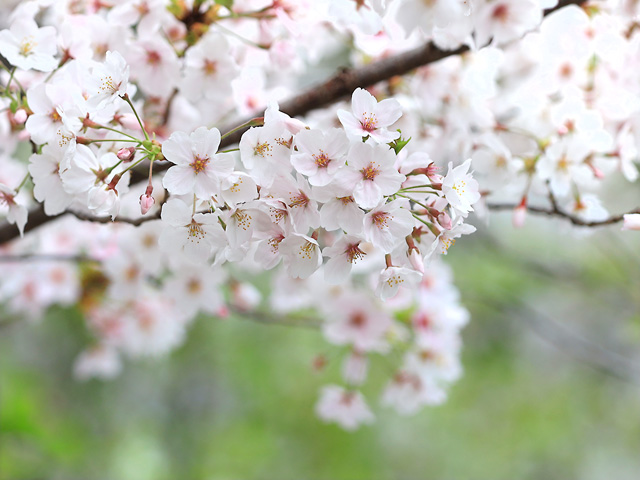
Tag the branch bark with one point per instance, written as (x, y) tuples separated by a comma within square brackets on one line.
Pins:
[(340, 85), (555, 211)]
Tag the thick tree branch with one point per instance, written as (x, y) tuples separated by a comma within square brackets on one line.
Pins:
[(332, 90)]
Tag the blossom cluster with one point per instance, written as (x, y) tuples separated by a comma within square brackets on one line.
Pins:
[(121, 107)]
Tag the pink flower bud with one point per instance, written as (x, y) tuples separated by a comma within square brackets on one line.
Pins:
[(519, 216), (520, 213), (416, 260), (146, 202), (20, 116), (631, 221), (445, 221), (126, 154)]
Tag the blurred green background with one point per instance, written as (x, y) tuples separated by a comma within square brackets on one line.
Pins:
[(551, 388)]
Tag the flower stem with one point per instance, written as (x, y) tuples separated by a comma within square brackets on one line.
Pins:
[(254, 122), (126, 98)]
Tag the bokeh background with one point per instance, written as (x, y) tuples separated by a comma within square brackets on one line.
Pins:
[(551, 388)]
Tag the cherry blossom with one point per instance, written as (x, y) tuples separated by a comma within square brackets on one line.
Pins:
[(198, 169), (370, 118), (28, 47), (347, 408)]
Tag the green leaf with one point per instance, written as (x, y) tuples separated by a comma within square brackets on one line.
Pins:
[(225, 3), (400, 143)]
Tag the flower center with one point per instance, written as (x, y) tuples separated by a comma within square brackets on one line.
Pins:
[(262, 149), (27, 45), (243, 219), (322, 160), (370, 172), (196, 233), (394, 281), (369, 122), (274, 243), (210, 67), (354, 253), (194, 286), (381, 219), (346, 200), (299, 200), (460, 187), (501, 13), (199, 163), (448, 243), (306, 250), (108, 85), (358, 320), (153, 57)]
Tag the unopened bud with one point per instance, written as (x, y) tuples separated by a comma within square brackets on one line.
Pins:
[(20, 116), (146, 200), (126, 154), (520, 213), (445, 221), (416, 260)]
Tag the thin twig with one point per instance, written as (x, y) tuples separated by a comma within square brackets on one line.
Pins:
[(555, 211)]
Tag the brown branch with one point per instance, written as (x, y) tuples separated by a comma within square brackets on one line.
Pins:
[(107, 219), (340, 85), (554, 211)]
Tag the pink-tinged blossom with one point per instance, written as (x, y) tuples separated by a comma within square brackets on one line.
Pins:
[(370, 118), (386, 225), (347, 408), (392, 278), (94, 181), (460, 189), (155, 66), (371, 174), (504, 20), (195, 289), (209, 69), (47, 103), (302, 255), (239, 187), (17, 212), (45, 173), (427, 15), (268, 249), (407, 393), (241, 222), (197, 236), (198, 168), (357, 321), (28, 47), (448, 237), (339, 209), (297, 195), (343, 254), (266, 152), (319, 155), (110, 80)]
